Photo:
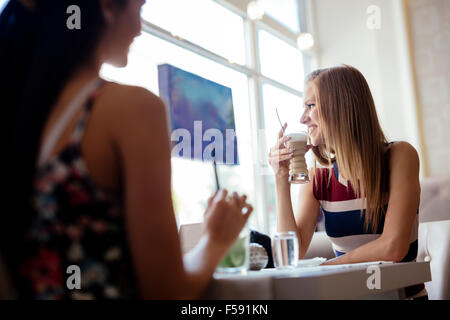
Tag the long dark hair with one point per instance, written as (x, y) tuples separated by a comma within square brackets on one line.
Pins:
[(38, 55)]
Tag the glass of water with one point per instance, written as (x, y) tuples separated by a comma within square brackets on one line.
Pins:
[(285, 250)]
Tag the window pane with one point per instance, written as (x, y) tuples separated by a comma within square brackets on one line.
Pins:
[(284, 11), (193, 181), (290, 110), (2, 4), (280, 61), (202, 22)]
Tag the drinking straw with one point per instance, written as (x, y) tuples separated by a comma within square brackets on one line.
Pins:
[(278, 116), (215, 169)]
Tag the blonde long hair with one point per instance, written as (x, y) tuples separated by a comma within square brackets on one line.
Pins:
[(352, 136)]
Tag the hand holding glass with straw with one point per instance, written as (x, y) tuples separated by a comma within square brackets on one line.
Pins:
[(298, 142)]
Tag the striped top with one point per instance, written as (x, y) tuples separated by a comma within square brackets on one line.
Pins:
[(341, 209)]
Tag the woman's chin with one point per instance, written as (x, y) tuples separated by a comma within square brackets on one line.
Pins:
[(118, 62), (315, 142), (312, 141)]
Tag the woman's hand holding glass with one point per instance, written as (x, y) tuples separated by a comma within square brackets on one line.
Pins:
[(280, 155), (225, 217)]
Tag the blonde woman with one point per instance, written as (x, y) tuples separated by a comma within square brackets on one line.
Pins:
[(368, 190)]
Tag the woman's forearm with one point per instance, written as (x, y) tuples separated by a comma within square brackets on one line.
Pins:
[(376, 250), (200, 264), (285, 214)]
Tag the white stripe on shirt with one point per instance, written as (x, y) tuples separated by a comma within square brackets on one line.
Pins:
[(340, 206)]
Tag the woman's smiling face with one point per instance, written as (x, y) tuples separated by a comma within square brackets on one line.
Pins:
[(310, 116)]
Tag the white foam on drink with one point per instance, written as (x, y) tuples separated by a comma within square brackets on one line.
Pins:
[(299, 136)]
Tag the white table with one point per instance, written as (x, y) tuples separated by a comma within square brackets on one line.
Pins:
[(321, 282)]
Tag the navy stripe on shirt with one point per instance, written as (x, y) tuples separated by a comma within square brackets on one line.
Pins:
[(348, 223)]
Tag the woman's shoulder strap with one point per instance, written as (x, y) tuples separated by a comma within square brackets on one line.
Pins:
[(78, 102), (81, 123)]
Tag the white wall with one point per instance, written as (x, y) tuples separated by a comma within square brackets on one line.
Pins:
[(430, 37), (382, 55)]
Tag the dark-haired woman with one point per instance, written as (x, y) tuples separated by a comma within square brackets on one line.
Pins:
[(88, 165)]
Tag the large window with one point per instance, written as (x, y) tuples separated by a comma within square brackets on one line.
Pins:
[(202, 22), (2, 4), (216, 40), (280, 61), (285, 12), (193, 181)]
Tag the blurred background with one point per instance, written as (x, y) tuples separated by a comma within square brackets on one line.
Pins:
[(263, 50)]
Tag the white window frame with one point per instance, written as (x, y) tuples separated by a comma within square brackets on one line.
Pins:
[(256, 79)]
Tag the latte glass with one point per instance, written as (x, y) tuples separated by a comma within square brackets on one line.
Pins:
[(298, 171)]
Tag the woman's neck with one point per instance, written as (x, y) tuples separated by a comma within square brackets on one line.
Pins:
[(75, 84), (84, 75)]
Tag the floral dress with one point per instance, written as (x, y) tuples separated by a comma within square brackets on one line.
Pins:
[(76, 224)]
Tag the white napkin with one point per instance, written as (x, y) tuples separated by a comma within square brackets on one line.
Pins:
[(304, 263)]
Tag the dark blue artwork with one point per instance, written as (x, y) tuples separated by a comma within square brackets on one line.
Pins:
[(201, 116)]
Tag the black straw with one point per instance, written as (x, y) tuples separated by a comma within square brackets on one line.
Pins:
[(215, 170)]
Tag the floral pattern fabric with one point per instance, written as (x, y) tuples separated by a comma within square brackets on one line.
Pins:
[(76, 223)]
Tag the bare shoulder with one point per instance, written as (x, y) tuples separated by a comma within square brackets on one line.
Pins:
[(121, 106), (127, 98), (404, 150), (404, 155)]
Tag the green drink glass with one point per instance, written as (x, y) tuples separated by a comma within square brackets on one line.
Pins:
[(236, 260)]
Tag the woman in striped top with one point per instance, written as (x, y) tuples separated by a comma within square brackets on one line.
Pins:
[(367, 189)]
